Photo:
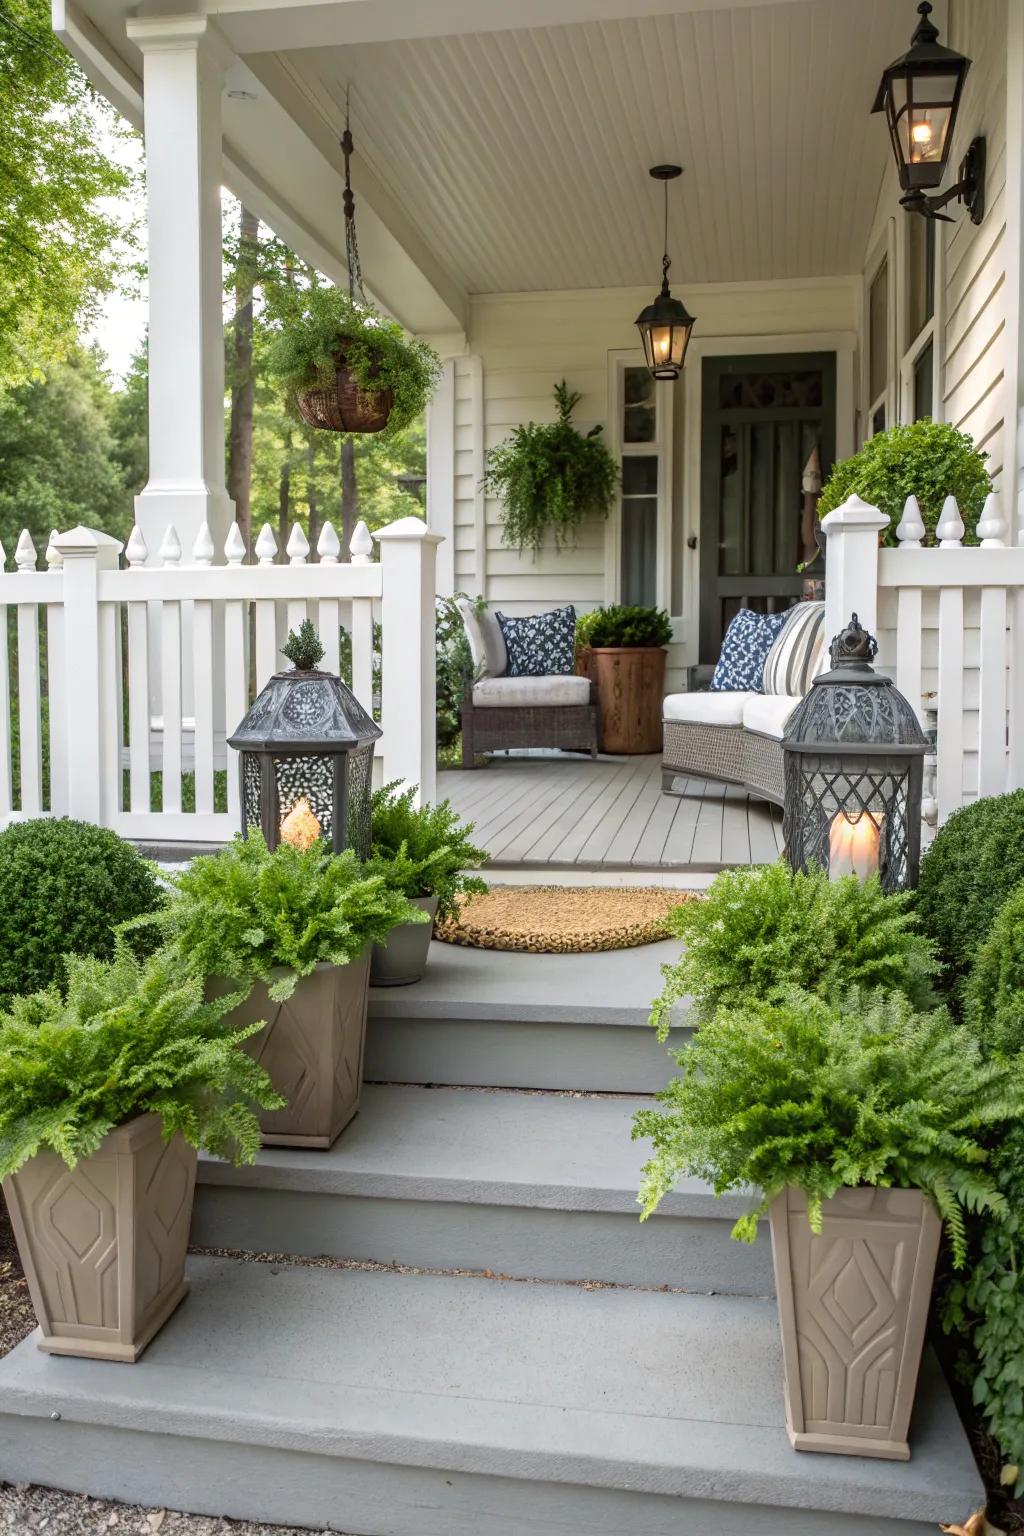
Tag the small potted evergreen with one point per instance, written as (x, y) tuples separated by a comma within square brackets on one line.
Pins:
[(425, 852), (105, 1094), (347, 368), (622, 650), (296, 927)]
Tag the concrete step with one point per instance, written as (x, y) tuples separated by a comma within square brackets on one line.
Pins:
[(527, 1184), (416, 1405), (549, 1021)]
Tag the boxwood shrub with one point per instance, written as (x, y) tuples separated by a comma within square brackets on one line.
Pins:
[(929, 458), (994, 993)]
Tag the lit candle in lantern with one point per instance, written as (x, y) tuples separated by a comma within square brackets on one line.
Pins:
[(853, 845), (300, 827)]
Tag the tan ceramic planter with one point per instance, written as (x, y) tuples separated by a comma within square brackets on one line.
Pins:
[(630, 682), (103, 1244), (312, 1050), (403, 959), (853, 1304)]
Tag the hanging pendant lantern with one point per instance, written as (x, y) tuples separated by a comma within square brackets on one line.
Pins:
[(665, 325)]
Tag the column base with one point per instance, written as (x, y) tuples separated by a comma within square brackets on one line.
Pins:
[(186, 508)]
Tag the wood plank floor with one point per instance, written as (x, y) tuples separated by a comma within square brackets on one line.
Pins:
[(567, 812)]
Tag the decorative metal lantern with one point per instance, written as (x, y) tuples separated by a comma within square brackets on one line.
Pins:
[(920, 95), (853, 762), (665, 325), (306, 756)]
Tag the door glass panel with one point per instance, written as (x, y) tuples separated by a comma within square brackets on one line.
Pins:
[(640, 475), (768, 391), (730, 508), (639, 410), (639, 529), (923, 403), (878, 331)]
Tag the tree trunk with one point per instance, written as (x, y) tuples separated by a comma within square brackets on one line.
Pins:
[(284, 499), (349, 492), (242, 383), (311, 501)]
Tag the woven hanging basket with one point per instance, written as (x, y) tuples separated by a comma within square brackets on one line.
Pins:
[(343, 406)]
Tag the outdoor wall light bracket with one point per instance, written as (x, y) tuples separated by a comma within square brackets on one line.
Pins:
[(969, 189)]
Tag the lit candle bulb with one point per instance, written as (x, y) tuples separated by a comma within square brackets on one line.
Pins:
[(853, 846), (300, 827)]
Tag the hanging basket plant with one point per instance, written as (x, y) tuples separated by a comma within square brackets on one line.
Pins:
[(551, 477)]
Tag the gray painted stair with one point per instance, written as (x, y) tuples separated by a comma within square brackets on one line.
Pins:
[(526, 1184), (418, 1405), (546, 1021)]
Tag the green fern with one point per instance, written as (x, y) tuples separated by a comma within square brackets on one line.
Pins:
[(821, 1094), (424, 850), (248, 915), (130, 1037), (761, 930)]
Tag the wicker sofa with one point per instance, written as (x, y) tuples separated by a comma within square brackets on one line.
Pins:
[(500, 712), (736, 738)]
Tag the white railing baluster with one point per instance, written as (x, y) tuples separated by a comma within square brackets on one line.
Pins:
[(328, 547), (992, 692), (56, 707), (298, 551), (908, 646), (170, 680), (265, 622), (6, 802), (202, 679), (236, 669), (30, 729), (139, 708), (949, 775)]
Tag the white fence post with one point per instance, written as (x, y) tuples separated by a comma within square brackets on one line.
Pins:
[(851, 565), (408, 554), (84, 553)]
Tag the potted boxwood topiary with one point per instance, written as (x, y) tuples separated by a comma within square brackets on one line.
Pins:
[(104, 1097), (622, 650), (296, 926), (863, 1125), (423, 851), (550, 477), (346, 367), (928, 459)]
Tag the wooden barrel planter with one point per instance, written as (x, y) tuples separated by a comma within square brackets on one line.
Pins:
[(343, 406), (630, 687)]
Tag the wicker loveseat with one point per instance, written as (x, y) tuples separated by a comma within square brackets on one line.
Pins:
[(736, 738), (499, 712)]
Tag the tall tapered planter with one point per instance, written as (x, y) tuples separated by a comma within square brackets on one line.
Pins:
[(312, 1050), (630, 685), (103, 1244), (853, 1305)]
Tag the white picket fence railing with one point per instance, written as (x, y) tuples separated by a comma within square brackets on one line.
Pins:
[(949, 619), (119, 673)]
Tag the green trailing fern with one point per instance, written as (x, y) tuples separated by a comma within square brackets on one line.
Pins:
[(550, 477), (246, 914), (825, 1094), (761, 930), (423, 851), (130, 1038)]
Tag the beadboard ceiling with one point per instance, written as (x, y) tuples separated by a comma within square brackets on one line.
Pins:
[(521, 156)]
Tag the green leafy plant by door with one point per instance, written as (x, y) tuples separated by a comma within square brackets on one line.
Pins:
[(928, 459), (551, 477)]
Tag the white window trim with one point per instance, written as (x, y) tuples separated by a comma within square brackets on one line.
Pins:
[(661, 448), (884, 250), (932, 331)]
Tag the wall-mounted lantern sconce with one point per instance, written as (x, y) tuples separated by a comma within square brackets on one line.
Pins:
[(920, 96), (665, 325)]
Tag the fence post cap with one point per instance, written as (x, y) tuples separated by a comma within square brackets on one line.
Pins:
[(854, 513), (81, 541), (411, 530)]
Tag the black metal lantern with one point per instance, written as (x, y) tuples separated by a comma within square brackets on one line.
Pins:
[(306, 756), (665, 324), (920, 94), (853, 758)]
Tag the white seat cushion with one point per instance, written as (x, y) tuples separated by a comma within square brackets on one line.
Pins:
[(493, 692), (767, 713), (706, 708)]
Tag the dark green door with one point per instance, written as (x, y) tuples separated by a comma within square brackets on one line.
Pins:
[(762, 418)]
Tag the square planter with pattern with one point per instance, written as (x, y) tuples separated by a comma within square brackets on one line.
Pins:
[(853, 1304), (103, 1244)]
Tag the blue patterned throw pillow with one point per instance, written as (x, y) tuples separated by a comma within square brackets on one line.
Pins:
[(541, 644), (745, 650)]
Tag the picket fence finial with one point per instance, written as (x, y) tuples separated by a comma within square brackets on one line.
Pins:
[(170, 548), (949, 530), (266, 545), (234, 546), (203, 550), (328, 545), (360, 546), (297, 547), (25, 552), (992, 528), (910, 530), (53, 556), (136, 550)]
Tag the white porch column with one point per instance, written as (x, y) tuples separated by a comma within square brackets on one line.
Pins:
[(408, 557), (851, 565), (184, 60)]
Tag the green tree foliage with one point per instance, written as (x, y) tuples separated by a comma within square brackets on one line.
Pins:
[(823, 1094), (129, 427), (994, 993), (129, 1038), (64, 885), (423, 850), (761, 930), (60, 245)]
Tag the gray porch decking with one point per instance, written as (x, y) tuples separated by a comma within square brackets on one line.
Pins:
[(559, 811)]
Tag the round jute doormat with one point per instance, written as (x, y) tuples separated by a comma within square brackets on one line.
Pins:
[(563, 919)]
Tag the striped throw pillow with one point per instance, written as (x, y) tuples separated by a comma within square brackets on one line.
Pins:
[(795, 658)]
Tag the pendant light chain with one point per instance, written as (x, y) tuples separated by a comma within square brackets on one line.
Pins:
[(666, 260), (355, 271)]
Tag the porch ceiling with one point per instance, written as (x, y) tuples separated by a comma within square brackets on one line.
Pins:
[(521, 156)]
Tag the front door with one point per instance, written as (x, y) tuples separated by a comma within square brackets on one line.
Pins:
[(762, 419)]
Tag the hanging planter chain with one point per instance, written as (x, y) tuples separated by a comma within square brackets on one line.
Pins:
[(355, 271)]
